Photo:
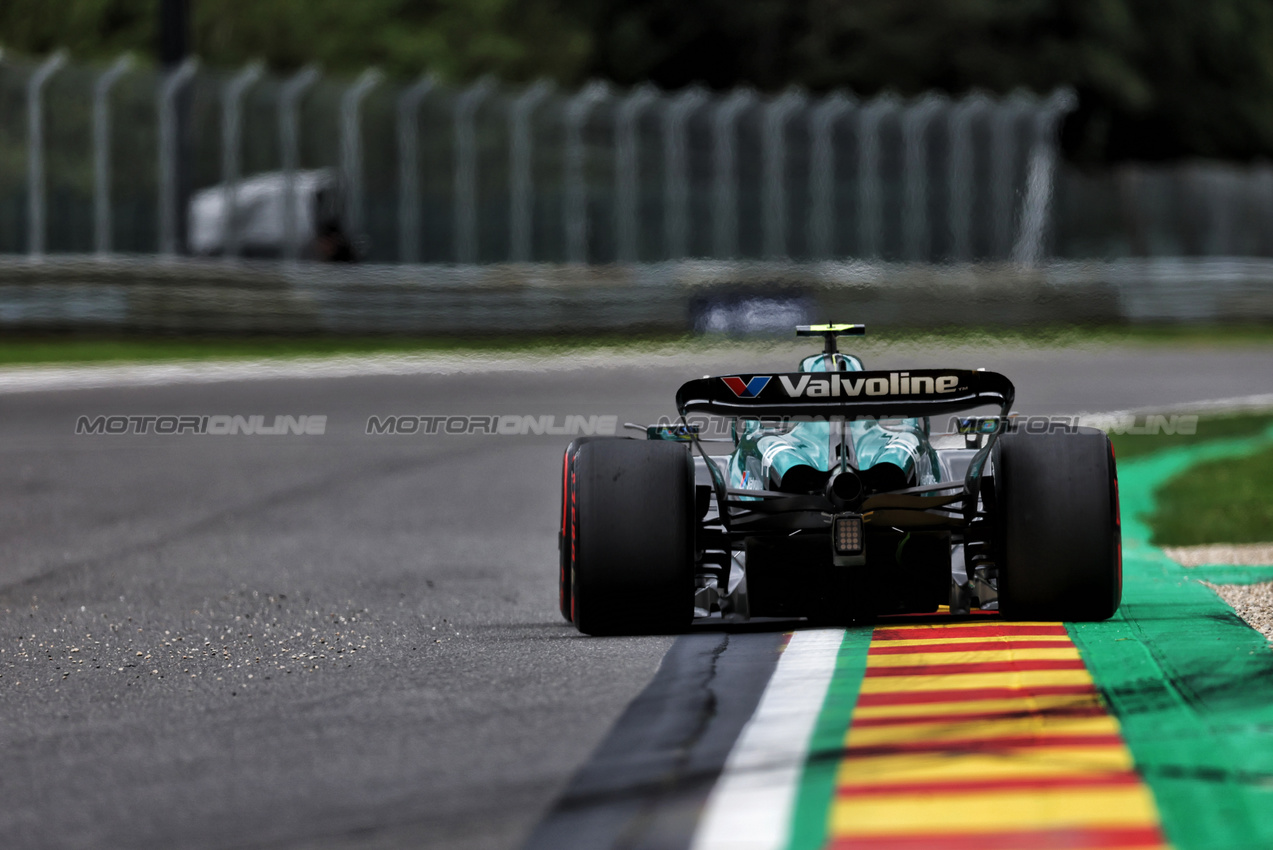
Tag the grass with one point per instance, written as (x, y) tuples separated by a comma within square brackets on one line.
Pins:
[(1184, 335), (1222, 501), (1061, 336), (1209, 428), (72, 350), (20, 349)]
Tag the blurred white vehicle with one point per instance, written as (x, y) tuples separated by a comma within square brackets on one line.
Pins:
[(257, 217)]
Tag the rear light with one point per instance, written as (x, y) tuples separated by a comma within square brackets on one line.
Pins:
[(848, 540), (846, 533)]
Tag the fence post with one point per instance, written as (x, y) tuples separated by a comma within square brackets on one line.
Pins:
[(822, 184), (627, 169), (725, 178), (289, 97), (521, 186), (870, 194), (231, 145), (169, 87), (35, 152), (409, 168), (1262, 188), (1034, 211), (351, 143), (959, 201), (773, 190), (576, 188), (466, 106), (102, 153), (916, 238), (676, 177), (1003, 159)]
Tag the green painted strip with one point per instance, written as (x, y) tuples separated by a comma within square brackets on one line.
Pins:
[(811, 819), (1191, 684), (1230, 573)]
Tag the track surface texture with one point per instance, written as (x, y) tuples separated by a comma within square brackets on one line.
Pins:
[(349, 640)]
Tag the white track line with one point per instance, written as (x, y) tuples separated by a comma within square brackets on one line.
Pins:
[(46, 378), (751, 806), (1261, 401)]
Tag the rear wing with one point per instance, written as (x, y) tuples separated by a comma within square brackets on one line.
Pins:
[(914, 392)]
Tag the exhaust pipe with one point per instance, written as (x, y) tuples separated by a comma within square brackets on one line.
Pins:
[(845, 490)]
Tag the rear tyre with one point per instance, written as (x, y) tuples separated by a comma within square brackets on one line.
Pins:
[(1058, 541), (565, 558), (632, 537)]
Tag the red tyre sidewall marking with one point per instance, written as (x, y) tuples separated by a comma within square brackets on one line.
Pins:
[(562, 578), (565, 490), (1118, 518), (574, 540)]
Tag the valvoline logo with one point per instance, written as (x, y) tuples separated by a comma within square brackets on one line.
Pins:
[(747, 389)]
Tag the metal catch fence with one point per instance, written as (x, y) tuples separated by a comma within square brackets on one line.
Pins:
[(122, 159)]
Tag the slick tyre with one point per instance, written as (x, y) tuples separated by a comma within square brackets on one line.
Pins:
[(1058, 541), (632, 537), (565, 551)]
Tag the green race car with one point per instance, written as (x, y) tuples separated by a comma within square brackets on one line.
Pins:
[(837, 504)]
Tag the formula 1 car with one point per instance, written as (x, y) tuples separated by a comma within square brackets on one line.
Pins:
[(838, 504)]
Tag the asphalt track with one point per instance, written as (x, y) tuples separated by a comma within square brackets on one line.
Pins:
[(352, 641)]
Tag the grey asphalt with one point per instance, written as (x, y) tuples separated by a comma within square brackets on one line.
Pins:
[(348, 641)]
